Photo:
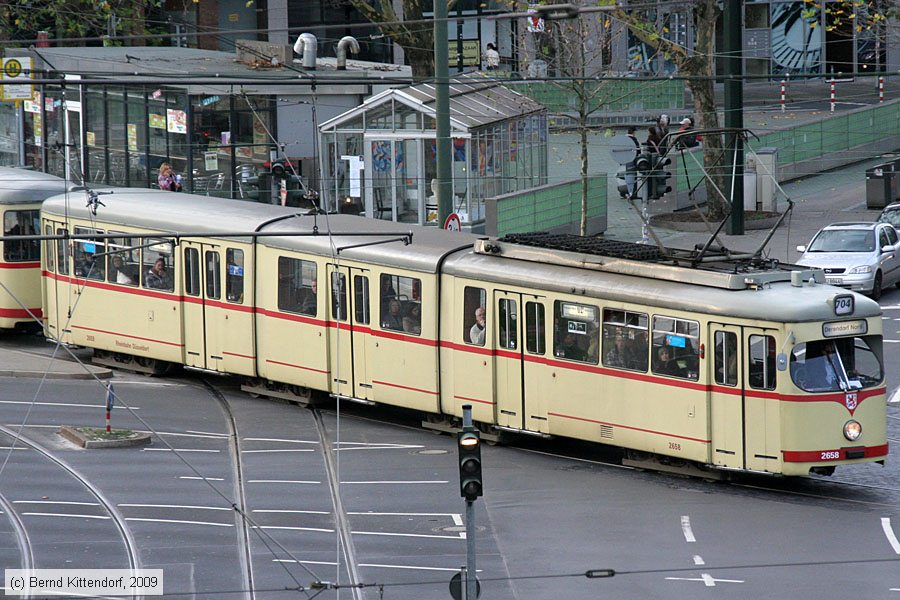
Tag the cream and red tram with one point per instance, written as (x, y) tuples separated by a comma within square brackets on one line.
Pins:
[(730, 366), (21, 195)]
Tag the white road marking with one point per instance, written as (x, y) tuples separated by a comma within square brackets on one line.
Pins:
[(207, 436), (394, 482), (38, 514), (253, 439), (294, 512), (179, 450), (282, 481), (891, 341), (461, 536), (698, 560), (13, 448), (179, 522), (889, 532), (209, 433), (195, 478), (891, 307), (277, 450), (56, 502), (177, 506), (707, 579), (285, 528), (69, 404), (379, 447), (374, 565), (148, 383), (686, 529)]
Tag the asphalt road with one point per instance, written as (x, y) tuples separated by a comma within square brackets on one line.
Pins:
[(545, 520)]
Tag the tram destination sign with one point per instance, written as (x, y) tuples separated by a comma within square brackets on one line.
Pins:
[(838, 328)]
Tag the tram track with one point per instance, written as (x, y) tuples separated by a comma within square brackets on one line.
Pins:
[(22, 535)]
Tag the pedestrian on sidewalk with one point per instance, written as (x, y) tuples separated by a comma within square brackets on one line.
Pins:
[(167, 178), (491, 57)]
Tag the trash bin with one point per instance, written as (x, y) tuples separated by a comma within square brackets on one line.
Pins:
[(881, 185)]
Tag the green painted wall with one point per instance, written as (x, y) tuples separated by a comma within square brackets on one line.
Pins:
[(550, 206), (619, 95)]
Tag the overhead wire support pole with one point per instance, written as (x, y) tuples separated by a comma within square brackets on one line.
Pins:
[(734, 109), (442, 112)]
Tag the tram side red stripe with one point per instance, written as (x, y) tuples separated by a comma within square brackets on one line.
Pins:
[(803, 456), (20, 265), (405, 387), (19, 313), (127, 335), (284, 364), (467, 399), (642, 430)]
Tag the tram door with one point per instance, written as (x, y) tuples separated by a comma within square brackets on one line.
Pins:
[(516, 408), (726, 396), (349, 324), (203, 313), (56, 288)]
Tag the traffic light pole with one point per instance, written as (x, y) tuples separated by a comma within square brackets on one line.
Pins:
[(470, 581), (645, 207)]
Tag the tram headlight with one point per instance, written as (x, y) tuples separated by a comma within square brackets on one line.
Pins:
[(852, 430)]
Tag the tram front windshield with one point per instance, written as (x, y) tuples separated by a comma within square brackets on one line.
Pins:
[(844, 364)]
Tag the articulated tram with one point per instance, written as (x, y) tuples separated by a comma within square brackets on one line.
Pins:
[(729, 365), (21, 194)]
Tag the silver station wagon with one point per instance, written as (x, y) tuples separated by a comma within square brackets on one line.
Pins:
[(862, 257)]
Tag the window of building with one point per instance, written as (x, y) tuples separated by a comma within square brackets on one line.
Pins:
[(535, 334), (761, 368), (474, 315), (576, 331), (297, 286), (625, 339), (676, 344), (726, 358), (21, 222), (756, 16)]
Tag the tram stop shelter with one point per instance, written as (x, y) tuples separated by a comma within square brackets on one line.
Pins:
[(380, 159)]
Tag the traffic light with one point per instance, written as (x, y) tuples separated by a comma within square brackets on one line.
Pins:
[(470, 485), (643, 162), (658, 179), (277, 169)]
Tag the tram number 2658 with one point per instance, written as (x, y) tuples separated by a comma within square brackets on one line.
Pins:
[(674, 446), (831, 455)]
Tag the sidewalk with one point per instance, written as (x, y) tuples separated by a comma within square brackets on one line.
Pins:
[(22, 363), (819, 200)]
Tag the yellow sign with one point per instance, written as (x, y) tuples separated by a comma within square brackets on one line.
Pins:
[(471, 53), (15, 78)]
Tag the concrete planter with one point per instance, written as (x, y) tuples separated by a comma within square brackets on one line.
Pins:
[(76, 435), (665, 221)]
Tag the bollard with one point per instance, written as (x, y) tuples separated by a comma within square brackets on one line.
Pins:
[(880, 90), (782, 94)]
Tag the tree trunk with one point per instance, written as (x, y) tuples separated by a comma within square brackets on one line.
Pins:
[(583, 131), (421, 60)]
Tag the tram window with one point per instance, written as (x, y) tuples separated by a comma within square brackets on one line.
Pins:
[(726, 358), (838, 364), (21, 222), (401, 302), (51, 254), (213, 277), (474, 315), (158, 261), (62, 252), (576, 331), (122, 262), (675, 347), (535, 336), (234, 275), (761, 368), (625, 340), (361, 299), (297, 287), (87, 263), (191, 271), (338, 296), (508, 324)]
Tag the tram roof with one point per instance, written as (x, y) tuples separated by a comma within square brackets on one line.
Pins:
[(22, 186), (775, 301)]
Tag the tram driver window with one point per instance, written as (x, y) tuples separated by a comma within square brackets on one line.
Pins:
[(401, 303), (576, 331), (87, 264), (625, 340), (676, 344), (21, 222), (158, 264), (297, 287), (474, 315), (234, 275), (761, 368)]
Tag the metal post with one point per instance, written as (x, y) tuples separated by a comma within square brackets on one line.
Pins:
[(880, 90), (442, 112), (782, 94), (645, 206), (469, 579), (734, 108), (832, 93)]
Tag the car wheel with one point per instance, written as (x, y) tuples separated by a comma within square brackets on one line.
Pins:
[(876, 287)]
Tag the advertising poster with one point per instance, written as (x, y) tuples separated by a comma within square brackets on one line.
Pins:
[(132, 137), (38, 129), (259, 138), (157, 121), (176, 120), (91, 138), (211, 161)]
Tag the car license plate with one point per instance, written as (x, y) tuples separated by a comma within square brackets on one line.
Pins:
[(834, 280)]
